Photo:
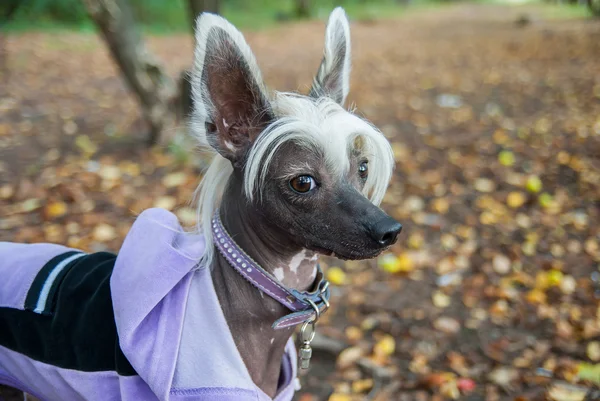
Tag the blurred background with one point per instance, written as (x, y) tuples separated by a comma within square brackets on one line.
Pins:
[(493, 110)]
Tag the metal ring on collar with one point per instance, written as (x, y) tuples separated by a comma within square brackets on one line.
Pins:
[(326, 302), (322, 296), (316, 308)]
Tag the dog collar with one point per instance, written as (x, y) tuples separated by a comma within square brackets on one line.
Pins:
[(306, 306)]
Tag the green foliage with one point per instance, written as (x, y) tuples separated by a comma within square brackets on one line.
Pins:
[(72, 13), (171, 15), (565, 11), (59, 11)]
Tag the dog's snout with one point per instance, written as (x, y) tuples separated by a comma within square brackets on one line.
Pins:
[(386, 231)]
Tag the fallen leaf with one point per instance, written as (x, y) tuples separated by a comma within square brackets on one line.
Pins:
[(339, 397), (546, 200), (349, 356), (533, 184), (85, 144), (30, 205), (450, 390), (396, 264), (501, 264), (165, 202), (109, 173), (447, 325), (484, 185), (593, 351), (385, 347), (441, 300), (187, 216), (515, 199), (465, 385), (506, 158), (336, 275), (536, 296), (503, 376), (440, 205), (104, 232), (362, 386), (174, 180), (353, 334), (568, 285), (561, 392), (437, 379), (6, 191), (55, 209), (587, 371)]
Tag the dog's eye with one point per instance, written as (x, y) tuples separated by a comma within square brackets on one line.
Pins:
[(303, 183), (363, 170)]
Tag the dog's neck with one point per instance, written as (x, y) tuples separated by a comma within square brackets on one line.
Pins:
[(249, 312)]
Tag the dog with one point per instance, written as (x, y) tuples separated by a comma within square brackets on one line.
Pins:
[(210, 315)]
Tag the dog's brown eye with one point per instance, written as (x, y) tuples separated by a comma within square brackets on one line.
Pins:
[(303, 183), (363, 170)]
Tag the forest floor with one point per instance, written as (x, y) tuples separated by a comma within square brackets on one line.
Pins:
[(492, 291)]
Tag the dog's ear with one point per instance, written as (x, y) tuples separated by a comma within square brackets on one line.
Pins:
[(231, 106), (333, 77)]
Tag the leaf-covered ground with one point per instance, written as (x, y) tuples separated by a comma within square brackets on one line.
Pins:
[(492, 291)]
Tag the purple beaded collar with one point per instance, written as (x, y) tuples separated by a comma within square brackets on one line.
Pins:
[(305, 306)]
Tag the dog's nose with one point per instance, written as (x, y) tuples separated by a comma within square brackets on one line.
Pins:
[(385, 232)]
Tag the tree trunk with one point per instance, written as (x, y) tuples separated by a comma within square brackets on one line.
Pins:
[(3, 65), (155, 90), (302, 8), (185, 102), (196, 7), (10, 9), (594, 6)]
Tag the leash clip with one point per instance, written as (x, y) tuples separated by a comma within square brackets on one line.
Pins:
[(307, 334), (308, 331)]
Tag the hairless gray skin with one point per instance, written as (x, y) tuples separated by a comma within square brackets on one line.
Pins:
[(265, 232), (306, 207)]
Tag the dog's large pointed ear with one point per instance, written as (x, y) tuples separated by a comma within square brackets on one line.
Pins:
[(333, 77), (231, 106)]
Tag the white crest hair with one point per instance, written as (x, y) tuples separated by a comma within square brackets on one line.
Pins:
[(315, 124)]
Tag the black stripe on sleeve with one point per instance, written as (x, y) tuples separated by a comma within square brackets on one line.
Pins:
[(81, 332), (33, 294)]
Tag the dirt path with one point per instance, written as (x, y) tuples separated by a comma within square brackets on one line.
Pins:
[(496, 281)]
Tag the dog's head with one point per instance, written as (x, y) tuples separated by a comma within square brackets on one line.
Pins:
[(312, 170)]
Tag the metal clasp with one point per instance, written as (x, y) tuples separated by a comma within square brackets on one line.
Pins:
[(308, 330), (307, 334)]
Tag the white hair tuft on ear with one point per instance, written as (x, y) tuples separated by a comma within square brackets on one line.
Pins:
[(333, 77), (206, 26), (231, 108)]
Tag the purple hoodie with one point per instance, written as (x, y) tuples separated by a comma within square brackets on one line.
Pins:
[(144, 325)]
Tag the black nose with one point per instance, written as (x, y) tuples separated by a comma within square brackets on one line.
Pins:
[(386, 231)]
